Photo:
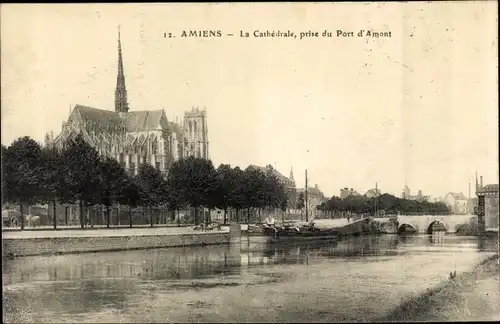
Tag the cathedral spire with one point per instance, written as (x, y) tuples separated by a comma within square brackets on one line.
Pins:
[(291, 174), (121, 104)]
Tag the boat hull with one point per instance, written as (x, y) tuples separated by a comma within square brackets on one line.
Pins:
[(294, 235), (281, 239)]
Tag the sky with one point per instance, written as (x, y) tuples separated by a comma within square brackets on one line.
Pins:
[(420, 107)]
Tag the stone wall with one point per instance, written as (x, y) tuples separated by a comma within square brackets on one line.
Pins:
[(59, 245), (363, 226)]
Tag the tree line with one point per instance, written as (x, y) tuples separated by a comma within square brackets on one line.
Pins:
[(78, 174), (383, 204)]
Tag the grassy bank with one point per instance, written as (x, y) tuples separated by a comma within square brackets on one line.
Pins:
[(470, 296)]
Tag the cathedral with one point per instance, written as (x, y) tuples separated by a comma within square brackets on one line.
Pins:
[(136, 137)]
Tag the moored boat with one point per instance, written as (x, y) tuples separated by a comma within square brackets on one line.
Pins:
[(307, 232)]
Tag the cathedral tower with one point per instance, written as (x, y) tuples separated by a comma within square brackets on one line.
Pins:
[(121, 104), (196, 134)]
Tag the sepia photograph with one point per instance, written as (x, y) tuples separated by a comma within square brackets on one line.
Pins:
[(250, 162)]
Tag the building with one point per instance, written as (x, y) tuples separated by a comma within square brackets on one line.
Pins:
[(373, 193), (346, 192), (487, 209), (406, 194), (136, 137), (287, 182), (472, 205), (472, 202), (314, 198), (435, 199), (456, 202)]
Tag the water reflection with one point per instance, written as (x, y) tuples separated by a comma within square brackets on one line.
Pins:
[(158, 264), (203, 262), (487, 243), (437, 238), (89, 283)]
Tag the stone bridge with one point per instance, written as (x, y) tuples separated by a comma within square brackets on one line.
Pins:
[(422, 224)]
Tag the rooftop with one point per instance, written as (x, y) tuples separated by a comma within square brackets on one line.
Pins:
[(274, 171), (458, 195), (489, 188)]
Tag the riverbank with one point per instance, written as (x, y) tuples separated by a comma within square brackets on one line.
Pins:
[(356, 279), (29, 243), (470, 296)]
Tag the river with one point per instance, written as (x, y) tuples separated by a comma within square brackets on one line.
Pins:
[(355, 279)]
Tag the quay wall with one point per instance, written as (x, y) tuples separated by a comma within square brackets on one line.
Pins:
[(13, 247), (362, 226)]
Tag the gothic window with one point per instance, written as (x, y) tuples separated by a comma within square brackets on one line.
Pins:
[(190, 127), (195, 128), (154, 147)]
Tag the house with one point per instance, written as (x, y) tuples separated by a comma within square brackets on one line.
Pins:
[(472, 205), (346, 192), (314, 198), (457, 202), (373, 193)]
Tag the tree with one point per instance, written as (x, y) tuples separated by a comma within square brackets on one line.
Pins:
[(113, 180), (175, 184), (3, 153), (254, 189), (21, 174), (53, 185), (226, 188), (300, 202), (129, 194), (273, 190), (83, 176), (282, 199), (238, 189), (195, 180), (387, 204), (213, 189), (152, 188)]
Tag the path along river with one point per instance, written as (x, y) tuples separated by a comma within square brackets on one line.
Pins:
[(355, 279)]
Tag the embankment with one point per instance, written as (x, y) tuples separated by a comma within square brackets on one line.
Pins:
[(470, 296), (39, 245)]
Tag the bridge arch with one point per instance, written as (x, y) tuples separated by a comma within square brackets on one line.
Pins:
[(403, 228), (436, 222)]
